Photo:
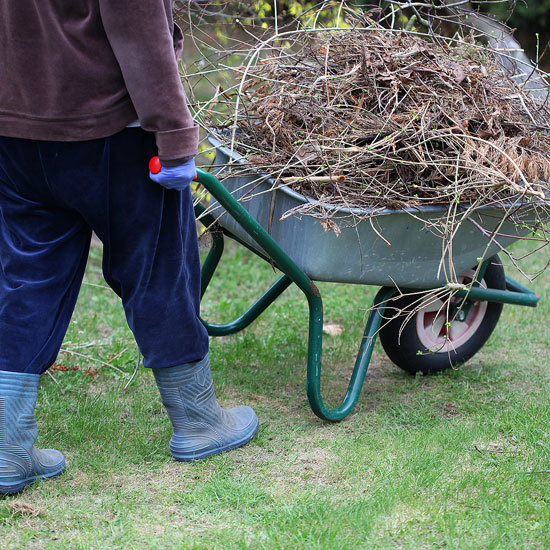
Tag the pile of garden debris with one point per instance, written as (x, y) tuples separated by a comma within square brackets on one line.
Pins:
[(370, 117)]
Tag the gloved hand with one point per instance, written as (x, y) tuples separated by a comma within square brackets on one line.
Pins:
[(177, 177)]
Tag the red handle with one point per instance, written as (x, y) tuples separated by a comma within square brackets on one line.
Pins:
[(154, 165)]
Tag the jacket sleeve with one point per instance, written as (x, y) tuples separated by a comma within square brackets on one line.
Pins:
[(141, 38)]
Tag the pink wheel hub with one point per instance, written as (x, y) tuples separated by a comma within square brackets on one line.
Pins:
[(437, 332)]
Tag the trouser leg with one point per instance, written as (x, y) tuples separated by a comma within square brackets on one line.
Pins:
[(43, 252), (151, 254)]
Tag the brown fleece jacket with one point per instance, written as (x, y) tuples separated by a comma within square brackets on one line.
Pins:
[(73, 70)]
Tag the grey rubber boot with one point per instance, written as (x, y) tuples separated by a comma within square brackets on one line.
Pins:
[(201, 427), (21, 462)]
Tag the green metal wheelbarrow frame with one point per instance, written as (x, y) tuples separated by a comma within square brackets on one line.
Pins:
[(515, 294)]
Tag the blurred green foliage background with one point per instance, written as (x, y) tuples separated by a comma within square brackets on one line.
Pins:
[(530, 18)]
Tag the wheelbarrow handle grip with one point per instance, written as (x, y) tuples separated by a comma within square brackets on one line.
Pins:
[(155, 166)]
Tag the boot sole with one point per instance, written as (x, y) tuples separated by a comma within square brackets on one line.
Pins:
[(194, 456), (14, 489)]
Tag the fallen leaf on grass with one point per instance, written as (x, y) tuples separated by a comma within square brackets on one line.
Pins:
[(333, 329)]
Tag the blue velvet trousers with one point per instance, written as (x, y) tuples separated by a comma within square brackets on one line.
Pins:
[(52, 195)]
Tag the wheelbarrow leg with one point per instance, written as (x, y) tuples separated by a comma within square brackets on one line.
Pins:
[(207, 272), (362, 361), (253, 312)]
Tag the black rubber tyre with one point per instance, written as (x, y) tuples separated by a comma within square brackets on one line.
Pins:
[(429, 342)]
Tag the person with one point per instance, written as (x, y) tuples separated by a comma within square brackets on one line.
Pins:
[(89, 92)]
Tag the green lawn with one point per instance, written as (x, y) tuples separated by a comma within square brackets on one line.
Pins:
[(459, 460)]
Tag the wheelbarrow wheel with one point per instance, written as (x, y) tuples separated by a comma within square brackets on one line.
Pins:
[(435, 338)]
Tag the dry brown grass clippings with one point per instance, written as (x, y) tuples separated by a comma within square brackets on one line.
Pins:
[(373, 118), (26, 509)]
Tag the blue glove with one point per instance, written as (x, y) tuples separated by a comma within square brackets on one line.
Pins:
[(177, 177)]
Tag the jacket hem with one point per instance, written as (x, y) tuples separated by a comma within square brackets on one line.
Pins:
[(94, 126)]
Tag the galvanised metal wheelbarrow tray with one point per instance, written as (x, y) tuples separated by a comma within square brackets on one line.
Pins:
[(399, 250)]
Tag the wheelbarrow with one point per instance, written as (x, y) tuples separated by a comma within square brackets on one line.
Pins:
[(398, 250)]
